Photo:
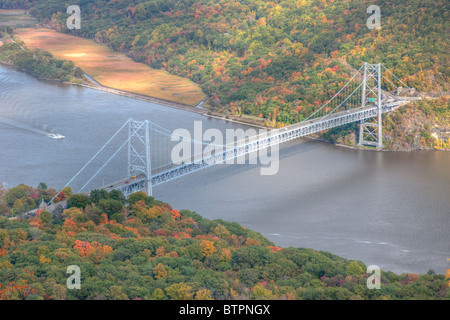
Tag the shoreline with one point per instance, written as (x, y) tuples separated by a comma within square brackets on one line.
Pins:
[(133, 95), (372, 149), (166, 103), (205, 112)]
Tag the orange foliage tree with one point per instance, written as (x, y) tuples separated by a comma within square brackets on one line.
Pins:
[(94, 251)]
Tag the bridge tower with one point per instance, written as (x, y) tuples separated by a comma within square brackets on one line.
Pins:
[(371, 131), (139, 161)]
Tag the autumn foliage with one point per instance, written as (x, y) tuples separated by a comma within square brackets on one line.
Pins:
[(157, 252), (93, 249), (251, 58)]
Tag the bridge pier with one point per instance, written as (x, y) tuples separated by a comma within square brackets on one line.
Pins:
[(139, 157), (371, 132)]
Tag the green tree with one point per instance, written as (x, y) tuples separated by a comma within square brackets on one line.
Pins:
[(78, 201), (354, 268), (46, 217), (94, 213), (110, 206), (117, 195), (158, 294), (137, 196), (97, 195), (115, 293), (42, 186), (249, 257), (15, 193)]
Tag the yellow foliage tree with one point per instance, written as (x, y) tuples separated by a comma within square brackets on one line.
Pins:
[(179, 291), (203, 294), (208, 247), (261, 293), (261, 21), (5, 265), (43, 259)]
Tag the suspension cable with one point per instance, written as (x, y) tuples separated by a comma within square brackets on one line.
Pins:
[(90, 160), (336, 93), (110, 158), (343, 101), (396, 77)]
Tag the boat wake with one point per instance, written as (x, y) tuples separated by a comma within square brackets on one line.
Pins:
[(31, 129), (56, 136)]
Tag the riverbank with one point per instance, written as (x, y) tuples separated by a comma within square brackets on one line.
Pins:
[(39, 37), (9, 63), (167, 103), (91, 85), (368, 148)]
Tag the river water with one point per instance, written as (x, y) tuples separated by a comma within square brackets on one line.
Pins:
[(383, 208)]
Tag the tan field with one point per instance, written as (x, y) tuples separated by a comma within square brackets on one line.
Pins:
[(113, 69)]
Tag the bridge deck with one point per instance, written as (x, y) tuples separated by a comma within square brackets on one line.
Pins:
[(251, 144)]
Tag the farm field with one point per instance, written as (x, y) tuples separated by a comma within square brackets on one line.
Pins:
[(113, 69)]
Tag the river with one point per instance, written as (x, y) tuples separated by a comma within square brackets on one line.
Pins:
[(383, 208)]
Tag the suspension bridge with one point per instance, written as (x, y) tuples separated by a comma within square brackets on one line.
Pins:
[(364, 99)]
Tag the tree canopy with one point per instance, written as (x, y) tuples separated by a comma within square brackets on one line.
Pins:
[(156, 252)]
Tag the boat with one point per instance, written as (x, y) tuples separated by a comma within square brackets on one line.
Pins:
[(56, 136)]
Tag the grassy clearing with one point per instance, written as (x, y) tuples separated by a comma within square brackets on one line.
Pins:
[(113, 69)]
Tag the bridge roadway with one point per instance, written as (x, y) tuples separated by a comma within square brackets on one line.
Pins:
[(251, 144)]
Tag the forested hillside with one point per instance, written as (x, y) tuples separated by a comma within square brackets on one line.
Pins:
[(276, 60), (144, 249), (422, 125)]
